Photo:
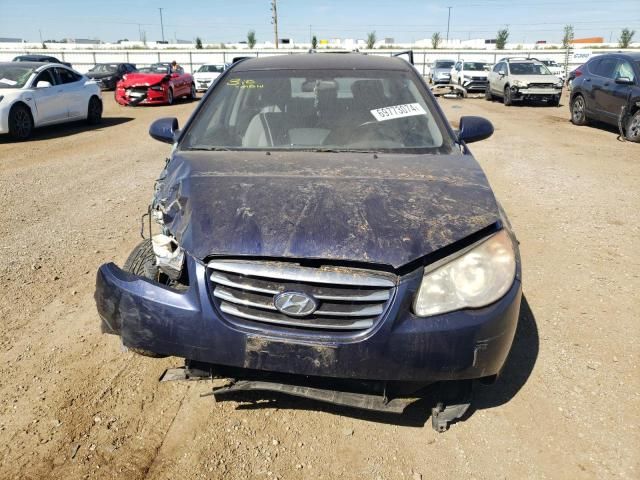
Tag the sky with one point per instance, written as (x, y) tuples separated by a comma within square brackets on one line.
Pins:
[(229, 21)]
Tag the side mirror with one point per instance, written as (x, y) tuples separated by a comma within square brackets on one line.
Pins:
[(164, 129), (473, 129), (624, 81), (43, 84), (502, 73)]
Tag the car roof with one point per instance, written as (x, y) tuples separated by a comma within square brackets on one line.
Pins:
[(34, 65), (635, 56), (322, 61)]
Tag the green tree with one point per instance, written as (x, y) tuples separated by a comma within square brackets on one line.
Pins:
[(626, 36), (371, 40), (568, 36), (314, 42), (501, 39), (251, 38), (435, 40), (198, 43)]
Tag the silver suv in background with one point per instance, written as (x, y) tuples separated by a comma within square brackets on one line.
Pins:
[(440, 72), (518, 79)]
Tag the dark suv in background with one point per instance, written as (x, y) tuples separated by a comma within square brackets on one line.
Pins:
[(607, 88), (107, 75)]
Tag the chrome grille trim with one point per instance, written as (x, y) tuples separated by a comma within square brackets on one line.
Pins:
[(279, 319), (347, 299), (321, 293), (285, 271)]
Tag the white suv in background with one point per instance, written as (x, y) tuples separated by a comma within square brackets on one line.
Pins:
[(470, 75)]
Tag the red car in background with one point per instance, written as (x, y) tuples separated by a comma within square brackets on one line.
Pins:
[(154, 85)]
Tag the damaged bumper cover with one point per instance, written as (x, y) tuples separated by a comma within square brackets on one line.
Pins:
[(533, 93), (466, 344)]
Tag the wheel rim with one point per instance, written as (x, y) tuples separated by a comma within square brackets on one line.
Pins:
[(578, 109), (22, 123), (507, 95), (170, 97), (193, 91), (634, 127)]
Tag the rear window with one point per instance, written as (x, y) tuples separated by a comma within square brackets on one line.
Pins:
[(444, 64), (319, 110)]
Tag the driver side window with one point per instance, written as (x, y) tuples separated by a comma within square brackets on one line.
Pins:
[(44, 76)]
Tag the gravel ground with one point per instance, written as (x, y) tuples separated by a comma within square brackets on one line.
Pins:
[(73, 405)]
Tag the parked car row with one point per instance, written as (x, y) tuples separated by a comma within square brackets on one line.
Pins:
[(513, 79)]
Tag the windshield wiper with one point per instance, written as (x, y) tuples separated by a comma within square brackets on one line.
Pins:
[(210, 149)]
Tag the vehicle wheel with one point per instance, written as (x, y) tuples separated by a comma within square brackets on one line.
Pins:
[(578, 111), (192, 94), (170, 97), (507, 97), (20, 122), (487, 94), (633, 128), (555, 101), (94, 111), (142, 262)]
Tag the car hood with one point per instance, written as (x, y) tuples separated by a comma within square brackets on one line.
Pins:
[(98, 75), (386, 209), (145, 79), (536, 78)]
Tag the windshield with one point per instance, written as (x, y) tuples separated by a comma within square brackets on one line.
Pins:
[(159, 68), (14, 75), (528, 69), (444, 64), (318, 110), (475, 66), (211, 68), (105, 68)]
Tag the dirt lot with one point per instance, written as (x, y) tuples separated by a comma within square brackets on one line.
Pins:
[(73, 405)]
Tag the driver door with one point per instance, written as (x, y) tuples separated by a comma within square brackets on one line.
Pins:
[(49, 101)]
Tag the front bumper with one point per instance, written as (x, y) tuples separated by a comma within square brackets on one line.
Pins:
[(519, 93), (400, 347), (475, 84), (128, 96), (441, 79)]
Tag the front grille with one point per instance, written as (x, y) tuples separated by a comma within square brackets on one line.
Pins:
[(481, 79), (347, 299), (542, 85)]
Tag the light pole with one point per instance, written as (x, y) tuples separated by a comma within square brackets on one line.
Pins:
[(448, 23), (161, 24), (274, 19)]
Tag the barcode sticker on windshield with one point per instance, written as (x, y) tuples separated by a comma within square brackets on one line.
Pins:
[(398, 111)]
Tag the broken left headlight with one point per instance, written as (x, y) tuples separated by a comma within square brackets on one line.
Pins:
[(169, 255), (474, 279)]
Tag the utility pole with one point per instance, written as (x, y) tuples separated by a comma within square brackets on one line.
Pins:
[(448, 23), (274, 19), (161, 24)]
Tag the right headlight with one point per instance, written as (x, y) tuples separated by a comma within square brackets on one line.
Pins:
[(475, 279)]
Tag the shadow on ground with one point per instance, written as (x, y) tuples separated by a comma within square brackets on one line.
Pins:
[(66, 129), (517, 369)]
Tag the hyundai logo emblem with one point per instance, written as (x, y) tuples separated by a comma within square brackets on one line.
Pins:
[(295, 304)]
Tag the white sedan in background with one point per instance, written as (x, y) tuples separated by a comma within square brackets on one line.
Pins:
[(206, 74), (34, 94)]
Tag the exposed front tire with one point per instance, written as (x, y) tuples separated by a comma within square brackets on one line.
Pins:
[(170, 97), (488, 95), (555, 101), (20, 122), (633, 128), (192, 93), (142, 262), (94, 111), (507, 100), (579, 111)]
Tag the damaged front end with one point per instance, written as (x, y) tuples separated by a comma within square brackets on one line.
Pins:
[(132, 91)]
